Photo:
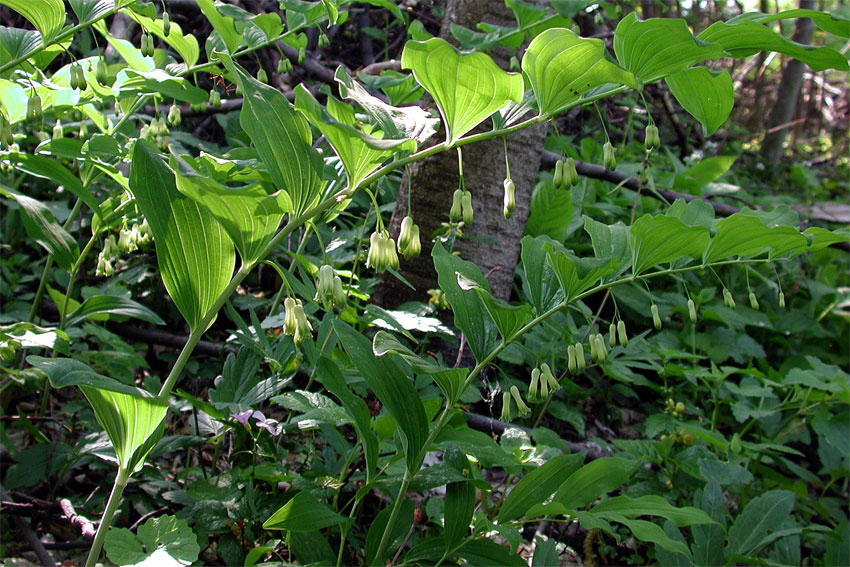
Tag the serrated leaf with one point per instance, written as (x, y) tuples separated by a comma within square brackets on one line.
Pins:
[(112, 305), (742, 38), (761, 516), (395, 391), (361, 153), (657, 47), (707, 96), (248, 214), (282, 138), (195, 255), (396, 122), (661, 239), (470, 314), (562, 66), (538, 485), (467, 87), (42, 227), (593, 480), (48, 16)]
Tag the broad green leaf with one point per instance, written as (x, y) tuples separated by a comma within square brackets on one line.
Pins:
[(593, 480), (698, 176), (185, 45), (661, 239), (707, 96), (508, 318), (42, 227), (164, 534), (653, 533), (112, 305), (403, 522), (248, 214), (48, 16), (47, 168), (609, 241), (309, 548), (225, 26), (539, 280), (195, 255), (395, 391), (709, 538), (467, 87), (538, 485), (16, 43), (650, 505), (551, 212), (821, 237), (329, 374), (562, 66), (361, 152), (133, 418), (159, 81), (746, 236), (827, 22), (303, 513), (761, 516), (743, 38), (577, 275), (490, 553), (282, 138), (13, 100), (655, 48), (459, 506), (395, 122), (470, 313), (129, 52), (88, 10)]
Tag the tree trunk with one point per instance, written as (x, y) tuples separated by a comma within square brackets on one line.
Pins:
[(789, 91), (492, 242)]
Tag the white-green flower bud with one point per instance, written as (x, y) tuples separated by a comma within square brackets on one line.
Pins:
[(325, 287), (510, 198), (466, 208), (522, 409), (289, 320), (570, 173), (781, 300), (558, 178), (754, 303), (174, 115), (58, 131), (339, 296), (455, 211), (262, 76), (572, 365), (303, 329), (506, 407), (581, 363), (546, 376), (652, 140), (166, 24), (612, 335), (621, 333), (692, 310), (656, 318), (728, 299), (609, 160), (533, 386)]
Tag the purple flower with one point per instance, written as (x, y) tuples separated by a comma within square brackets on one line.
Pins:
[(242, 417), (270, 425)]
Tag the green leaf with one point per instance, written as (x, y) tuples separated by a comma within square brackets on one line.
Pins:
[(47, 168), (303, 513), (48, 16), (395, 122), (248, 214), (707, 96), (88, 10), (185, 45), (709, 538), (282, 138), (655, 48), (539, 280), (158, 81), (650, 505), (470, 313), (126, 50), (695, 178), (538, 485), (310, 548), (13, 98), (361, 153), (114, 306), (761, 516), (467, 87), (195, 255), (225, 26), (508, 318), (653, 533), (551, 212), (403, 522), (562, 66), (577, 275), (609, 241), (459, 506), (826, 22), (395, 391), (42, 227), (593, 480), (486, 552), (746, 236), (157, 536), (661, 239), (743, 38), (329, 374)]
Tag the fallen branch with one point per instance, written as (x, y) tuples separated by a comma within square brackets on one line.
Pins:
[(86, 527)]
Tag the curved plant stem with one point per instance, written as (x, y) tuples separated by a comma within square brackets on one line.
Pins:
[(106, 518)]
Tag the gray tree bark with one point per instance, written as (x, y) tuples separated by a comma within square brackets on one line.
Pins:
[(789, 92), (492, 242)]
